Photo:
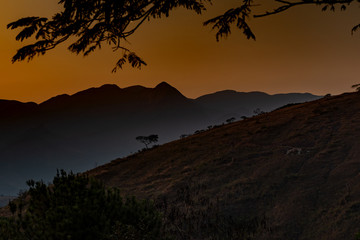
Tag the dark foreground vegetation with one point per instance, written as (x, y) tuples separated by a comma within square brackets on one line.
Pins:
[(78, 207)]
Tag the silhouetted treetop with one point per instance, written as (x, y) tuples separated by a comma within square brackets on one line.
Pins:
[(92, 23), (153, 138), (239, 16)]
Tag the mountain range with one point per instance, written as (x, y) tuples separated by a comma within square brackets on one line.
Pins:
[(89, 128)]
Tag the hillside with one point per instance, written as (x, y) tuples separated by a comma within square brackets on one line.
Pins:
[(89, 128), (298, 167)]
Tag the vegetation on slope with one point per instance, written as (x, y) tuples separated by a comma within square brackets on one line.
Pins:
[(79, 207)]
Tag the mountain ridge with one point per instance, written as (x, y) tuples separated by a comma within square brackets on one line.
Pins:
[(78, 131), (138, 87)]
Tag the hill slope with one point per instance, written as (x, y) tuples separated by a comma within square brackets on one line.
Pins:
[(298, 166)]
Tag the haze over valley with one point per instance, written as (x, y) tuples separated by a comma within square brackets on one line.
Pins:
[(92, 127)]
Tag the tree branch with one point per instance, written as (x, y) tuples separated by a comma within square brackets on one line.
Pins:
[(303, 2)]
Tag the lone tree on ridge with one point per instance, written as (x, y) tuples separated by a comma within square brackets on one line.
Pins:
[(153, 138)]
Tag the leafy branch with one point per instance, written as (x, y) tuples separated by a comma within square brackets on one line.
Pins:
[(93, 23), (241, 15)]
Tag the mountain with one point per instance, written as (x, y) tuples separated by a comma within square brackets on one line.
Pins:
[(296, 167), (9, 109), (80, 131), (229, 103)]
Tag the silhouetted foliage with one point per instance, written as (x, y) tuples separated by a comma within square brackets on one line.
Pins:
[(357, 87), (94, 23), (13, 207), (230, 120), (183, 136), (153, 138), (194, 215), (240, 16), (199, 131), (78, 207), (258, 111)]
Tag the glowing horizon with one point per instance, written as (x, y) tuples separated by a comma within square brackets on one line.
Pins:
[(303, 50)]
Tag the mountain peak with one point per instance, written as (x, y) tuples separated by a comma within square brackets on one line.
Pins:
[(165, 90), (104, 89), (164, 85), (109, 87)]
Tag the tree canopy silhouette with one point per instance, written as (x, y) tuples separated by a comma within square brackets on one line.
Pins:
[(78, 207), (153, 138), (92, 23)]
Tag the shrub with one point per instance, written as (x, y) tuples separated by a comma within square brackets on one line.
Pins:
[(79, 207), (230, 120)]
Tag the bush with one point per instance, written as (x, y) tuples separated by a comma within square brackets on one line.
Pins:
[(194, 215), (79, 207)]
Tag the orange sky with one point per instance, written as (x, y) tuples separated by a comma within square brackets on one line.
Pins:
[(302, 50)]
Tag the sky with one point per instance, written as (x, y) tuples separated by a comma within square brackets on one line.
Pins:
[(301, 50)]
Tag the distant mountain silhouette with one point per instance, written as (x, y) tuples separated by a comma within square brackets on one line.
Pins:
[(230, 103), (10, 109), (96, 125)]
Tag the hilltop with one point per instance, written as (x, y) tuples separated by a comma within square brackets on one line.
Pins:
[(298, 167)]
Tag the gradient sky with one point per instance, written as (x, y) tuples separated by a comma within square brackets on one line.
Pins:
[(302, 50)]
